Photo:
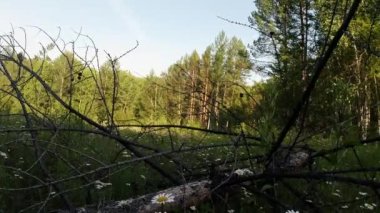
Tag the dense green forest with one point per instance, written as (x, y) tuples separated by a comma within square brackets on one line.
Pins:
[(76, 133), (203, 90)]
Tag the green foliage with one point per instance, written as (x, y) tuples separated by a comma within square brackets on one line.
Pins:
[(292, 34), (208, 90)]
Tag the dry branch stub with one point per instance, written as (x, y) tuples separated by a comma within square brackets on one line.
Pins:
[(289, 160)]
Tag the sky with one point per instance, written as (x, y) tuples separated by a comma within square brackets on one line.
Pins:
[(166, 29)]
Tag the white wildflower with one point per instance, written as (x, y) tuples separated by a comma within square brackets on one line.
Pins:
[(369, 206), (193, 208), (230, 211), (336, 194), (344, 207), (143, 177), (243, 172), (124, 203), (3, 154), (239, 172), (126, 154), (248, 172), (100, 185), (246, 193), (18, 176), (81, 210), (363, 193), (292, 211), (163, 198)]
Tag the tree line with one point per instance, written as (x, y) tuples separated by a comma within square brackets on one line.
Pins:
[(203, 90)]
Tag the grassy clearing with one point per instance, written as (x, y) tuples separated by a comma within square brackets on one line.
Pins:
[(72, 153)]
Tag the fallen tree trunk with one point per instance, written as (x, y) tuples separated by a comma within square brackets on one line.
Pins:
[(195, 193), (185, 195)]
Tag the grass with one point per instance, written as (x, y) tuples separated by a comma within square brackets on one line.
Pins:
[(71, 153)]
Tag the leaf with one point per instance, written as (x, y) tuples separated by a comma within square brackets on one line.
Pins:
[(333, 159), (352, 136)]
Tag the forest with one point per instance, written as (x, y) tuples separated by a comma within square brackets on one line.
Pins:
[(77, 135)]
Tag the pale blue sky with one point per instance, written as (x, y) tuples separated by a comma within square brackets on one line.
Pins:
[(166, 29)]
